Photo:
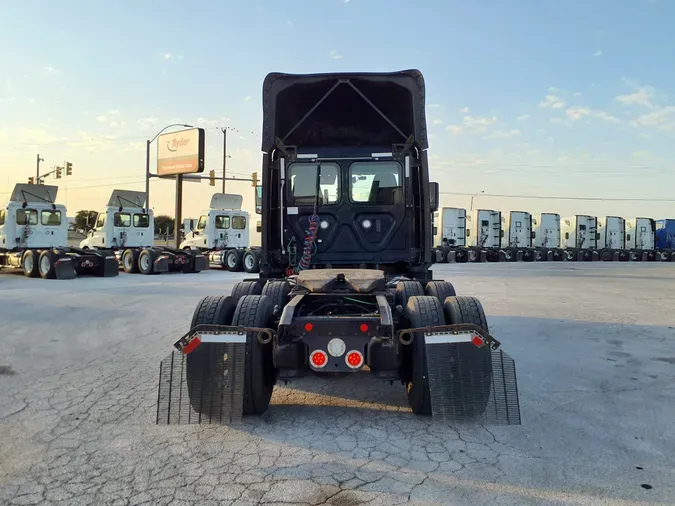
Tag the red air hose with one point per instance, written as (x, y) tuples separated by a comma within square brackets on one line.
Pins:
[(308, 244)]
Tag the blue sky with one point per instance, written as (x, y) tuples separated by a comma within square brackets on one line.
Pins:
[(525, 97)]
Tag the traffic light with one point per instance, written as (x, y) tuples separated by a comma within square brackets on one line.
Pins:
[(69, 168), (58, 172), (212, 178), (254, 178), (31, 180)]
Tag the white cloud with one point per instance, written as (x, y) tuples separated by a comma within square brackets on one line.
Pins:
[(598, 53), (553, 101), (335, 55), (166, 56), (114, 112), (472, 125), (247, 98), (433, 106), (49, 70), (101, 118), (438, 122), (523, 117), (556, 121), (464, 110), (503, 134), (146, 122), (642, 96), (661, 119), (576, 94), (577, 113)]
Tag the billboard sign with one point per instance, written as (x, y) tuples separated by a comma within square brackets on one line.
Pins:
[(180, 152)]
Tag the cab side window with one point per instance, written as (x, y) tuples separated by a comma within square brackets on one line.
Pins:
[(201, 225)]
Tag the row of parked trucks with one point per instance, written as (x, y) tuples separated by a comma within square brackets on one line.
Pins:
[(488, 235), (34, 237)]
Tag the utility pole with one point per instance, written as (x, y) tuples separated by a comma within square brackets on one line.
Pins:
[(224, 130), (37, 174)]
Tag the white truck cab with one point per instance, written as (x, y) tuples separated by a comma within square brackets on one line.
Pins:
[(124, 223), (547, 231), (224, 226), (31, 220)]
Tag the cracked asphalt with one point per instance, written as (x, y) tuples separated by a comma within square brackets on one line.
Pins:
[(594, 346)]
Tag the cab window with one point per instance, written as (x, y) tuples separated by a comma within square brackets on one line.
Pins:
[(141, 220), (222, 222), (2, 217), (238, 222), (50, 218), (26, 217), (303, 183), (376, 182), (201, 225), (122, 219), (100, 221)]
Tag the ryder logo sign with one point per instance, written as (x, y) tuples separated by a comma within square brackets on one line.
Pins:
[(180, 152)]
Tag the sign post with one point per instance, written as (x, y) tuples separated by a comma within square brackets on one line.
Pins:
[(180, 153)]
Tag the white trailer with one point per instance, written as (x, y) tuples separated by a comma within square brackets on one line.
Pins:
[(34, 238), (612, 239), (484, 235), (222, 235), (451, 239), (126, 227), (580, 237), (517, 237), (641, 239), (546, 237)]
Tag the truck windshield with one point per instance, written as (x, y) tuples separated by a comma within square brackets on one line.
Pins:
[(141, 220), (122, 220), (26, 217), (50, 218), (303, 183), (222, 222), (2, 217), (376, 182)]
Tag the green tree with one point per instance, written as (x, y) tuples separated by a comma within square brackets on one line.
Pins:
[(85, 220), (163, 224)]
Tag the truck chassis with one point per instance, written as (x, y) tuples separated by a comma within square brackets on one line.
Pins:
[(61, 263)]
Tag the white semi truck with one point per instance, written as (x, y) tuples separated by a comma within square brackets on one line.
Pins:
[(546, 237), (517, 237), (612, 239), (580, 237), (484, 235), (34, 238), (127, 228), (222, 235), (451, 237), (641, 239)]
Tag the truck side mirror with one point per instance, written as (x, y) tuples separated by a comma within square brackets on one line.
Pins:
[(258, 199), (434, 196)]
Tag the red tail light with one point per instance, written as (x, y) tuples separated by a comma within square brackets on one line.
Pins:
[(478, 341), (192, 345), (364, 327), (318, 358), (354, 359), (309, 327)]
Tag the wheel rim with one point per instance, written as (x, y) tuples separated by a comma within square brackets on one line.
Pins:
[(28, 263), (45, 264), (145, 262), (128, 259), (231, 261), (249, 261)]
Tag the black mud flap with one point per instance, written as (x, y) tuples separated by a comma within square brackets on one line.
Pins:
[(64, 268), (204, 387), (196, 263), (110, 267), (472, 385), (160, 264)]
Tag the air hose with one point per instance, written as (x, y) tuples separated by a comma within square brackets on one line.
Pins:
[(308, 244)]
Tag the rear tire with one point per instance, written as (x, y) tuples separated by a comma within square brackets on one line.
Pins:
[(29, 264), (259, 374), (146, 259), (130, 261), (251, 261), (440, 289), (277, 291), (474, 365), (46, 264), (233, 260), (405, 290), (246, 288), (202, 363), (421, 311)]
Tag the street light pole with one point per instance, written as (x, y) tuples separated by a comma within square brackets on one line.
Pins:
[(37, 174), (224, 156), (474, 196)]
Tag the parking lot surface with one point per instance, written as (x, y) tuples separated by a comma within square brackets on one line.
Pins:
[(594, 346)]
